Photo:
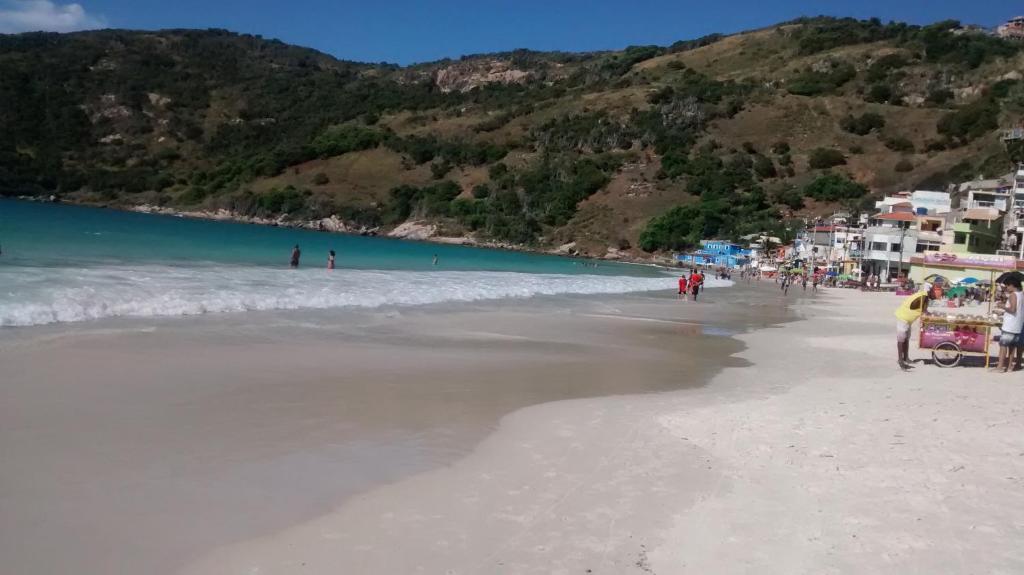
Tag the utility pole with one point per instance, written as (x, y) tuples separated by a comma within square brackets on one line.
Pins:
[(903, 234)]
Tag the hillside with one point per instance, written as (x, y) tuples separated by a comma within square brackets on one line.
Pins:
[(641, 150)]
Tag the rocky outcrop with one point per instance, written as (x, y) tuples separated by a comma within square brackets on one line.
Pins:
[(466, 75), (331, 224), (414, 231)]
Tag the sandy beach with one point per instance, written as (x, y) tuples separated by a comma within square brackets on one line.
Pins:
[(627, 434), (182, 436), (813, 455)]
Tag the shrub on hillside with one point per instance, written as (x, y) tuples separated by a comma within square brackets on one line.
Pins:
[(904, 165), (824, 158), (763, 167), (972, 121), (791, 198), (882, 67), (938, 96), (856, 149), (780, 147), (481, 191), (863, 124), (281, 201), (338, 140), (883, 94), (815, 83), (898, 144), (440, 169), (833, 188), (321, 179)]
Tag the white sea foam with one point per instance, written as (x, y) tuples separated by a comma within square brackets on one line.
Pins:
[(35, 296)]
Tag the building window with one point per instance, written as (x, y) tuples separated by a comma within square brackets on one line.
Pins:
[(959, 238), (878, 246), (894, 247), (920, 248)]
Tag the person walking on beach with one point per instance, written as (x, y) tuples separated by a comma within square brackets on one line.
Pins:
[(296, 254), (682, 287), (694, 284), (330, 260), (912, 308), (1013, 325)]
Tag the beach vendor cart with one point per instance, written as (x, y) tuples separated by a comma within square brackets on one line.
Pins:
[(953, 333)]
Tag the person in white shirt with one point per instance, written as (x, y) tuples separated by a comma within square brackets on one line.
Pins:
[(1010, 340)]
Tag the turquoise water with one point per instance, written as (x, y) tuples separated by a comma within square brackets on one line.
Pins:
[(64, 263), (34, 233)]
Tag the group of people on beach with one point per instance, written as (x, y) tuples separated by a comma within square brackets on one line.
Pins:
[(691, 285)]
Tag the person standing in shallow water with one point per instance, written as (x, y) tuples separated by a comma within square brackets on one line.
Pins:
[(330, 260), (435, 259), (296, 254)]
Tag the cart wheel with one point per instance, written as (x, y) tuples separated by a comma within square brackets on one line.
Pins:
[(947, 354)]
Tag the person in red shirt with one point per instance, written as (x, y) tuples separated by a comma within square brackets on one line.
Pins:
[(682, 287), (695, 281)]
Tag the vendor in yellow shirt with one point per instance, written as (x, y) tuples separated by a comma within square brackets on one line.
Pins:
[(912, 308)]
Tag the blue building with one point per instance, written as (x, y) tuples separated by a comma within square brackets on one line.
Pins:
[(717, 253)]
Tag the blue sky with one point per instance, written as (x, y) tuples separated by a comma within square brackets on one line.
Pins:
[(406, 31)]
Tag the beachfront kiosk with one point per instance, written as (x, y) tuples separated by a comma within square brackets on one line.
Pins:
[(952, 333), (717, 253)]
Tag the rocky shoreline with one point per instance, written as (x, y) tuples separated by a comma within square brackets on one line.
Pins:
[(410, 230)]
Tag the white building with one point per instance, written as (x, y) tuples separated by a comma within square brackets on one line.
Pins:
[(920, 200)]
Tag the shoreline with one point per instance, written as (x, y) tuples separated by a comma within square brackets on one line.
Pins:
[(411, 231), (273, 419), (843, 465)]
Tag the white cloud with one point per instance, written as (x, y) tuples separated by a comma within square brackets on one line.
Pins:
[(34, 15)]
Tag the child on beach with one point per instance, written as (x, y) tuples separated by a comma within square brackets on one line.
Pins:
[(682, 287), (330, 260), (296, 254)]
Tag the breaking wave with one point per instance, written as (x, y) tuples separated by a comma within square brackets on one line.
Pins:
[(36, 296)]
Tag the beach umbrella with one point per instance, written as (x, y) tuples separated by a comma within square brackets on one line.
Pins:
[(1002, 278), (967, 281), (956, 291)]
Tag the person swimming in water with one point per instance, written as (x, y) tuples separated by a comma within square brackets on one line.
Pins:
[(330, 260), (296, 254)]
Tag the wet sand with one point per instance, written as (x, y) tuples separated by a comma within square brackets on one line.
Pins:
[(141, 446)]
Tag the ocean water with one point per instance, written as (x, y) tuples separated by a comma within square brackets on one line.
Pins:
[(63, 263)]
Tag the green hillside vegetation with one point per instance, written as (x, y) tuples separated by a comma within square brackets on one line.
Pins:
[(649, 148)]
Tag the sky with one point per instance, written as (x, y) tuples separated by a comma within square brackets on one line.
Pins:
[(408, 31)]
